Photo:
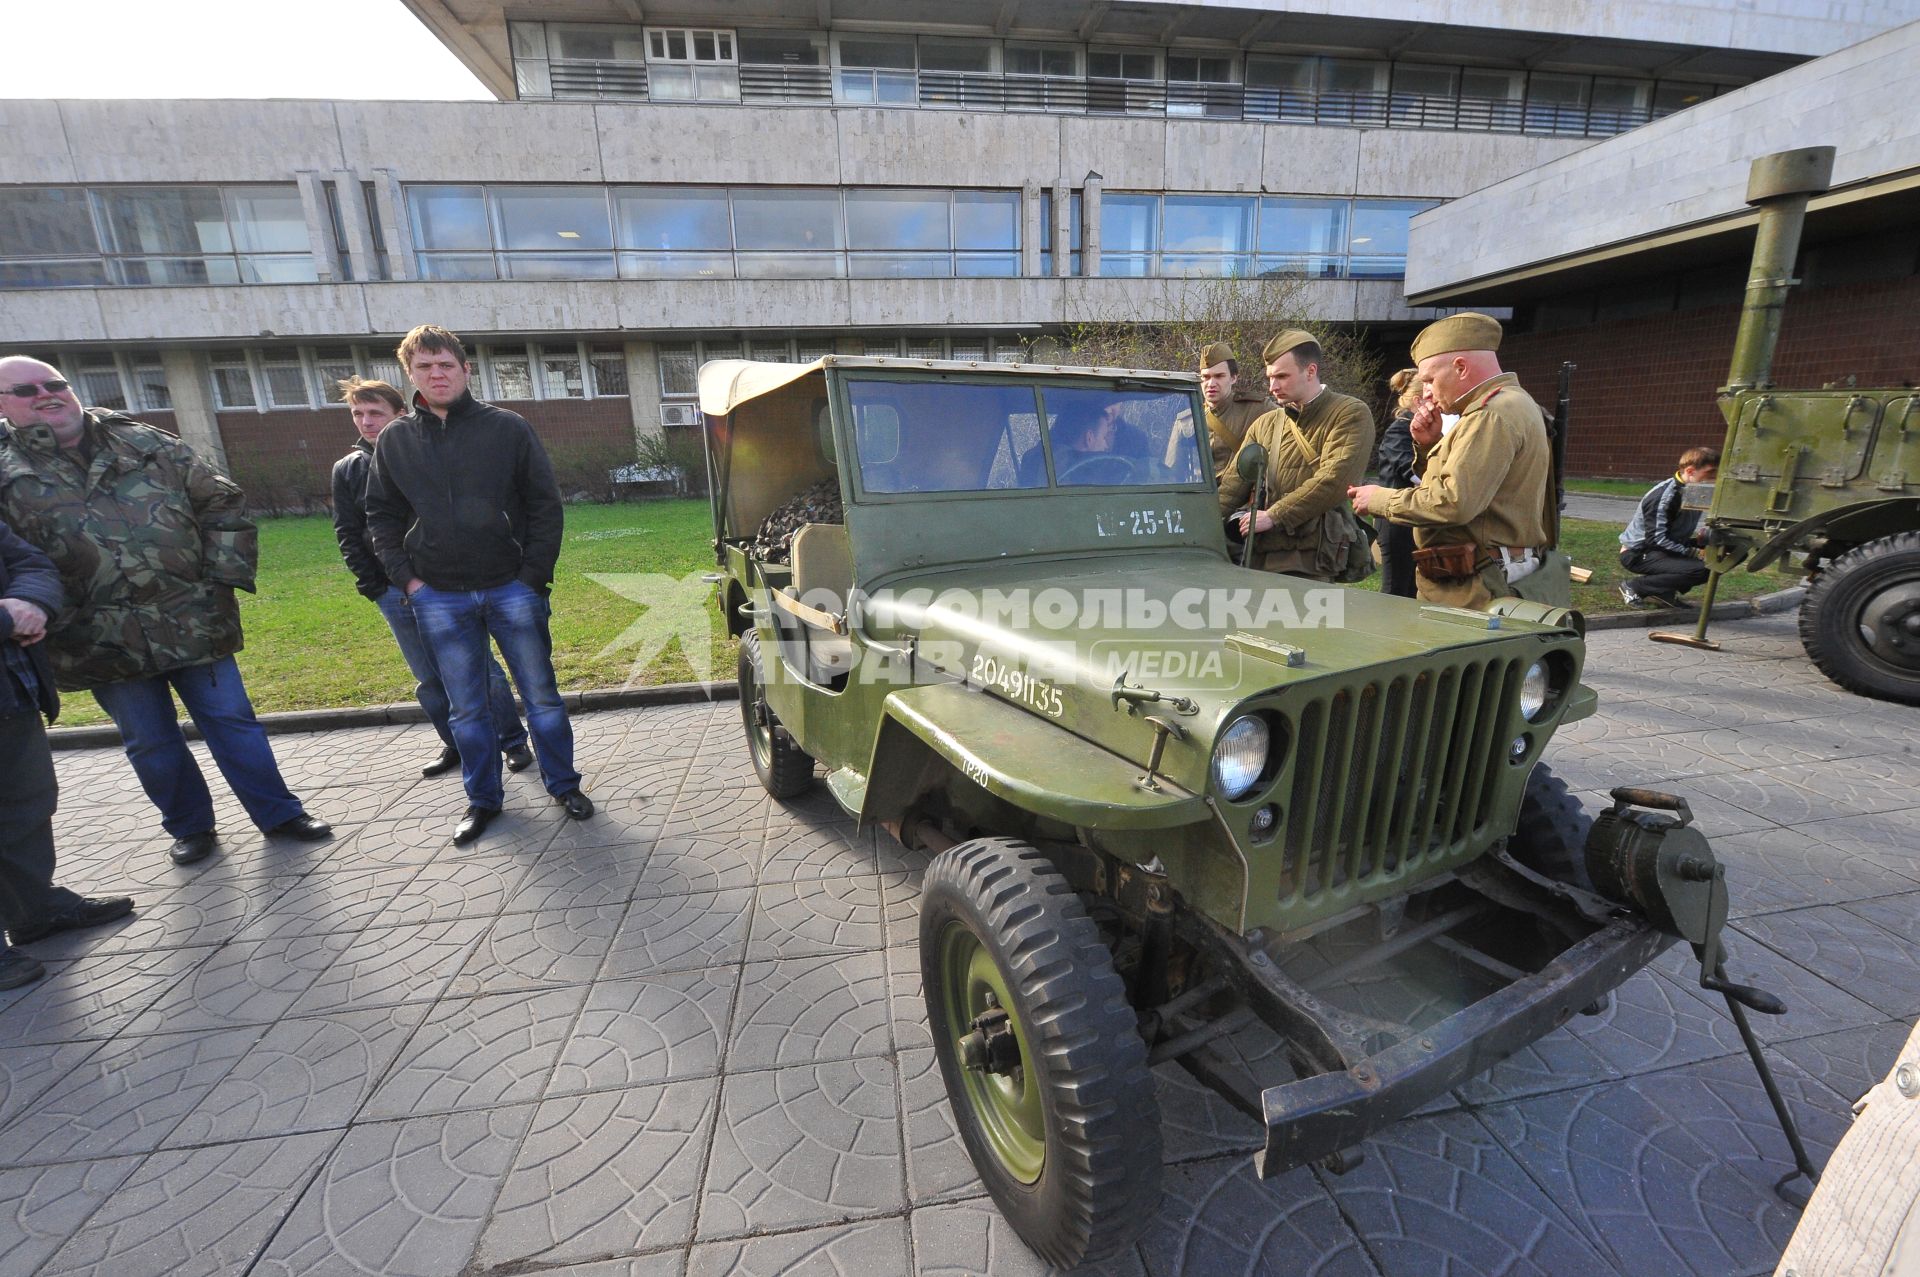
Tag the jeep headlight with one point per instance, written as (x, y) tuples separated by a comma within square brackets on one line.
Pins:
[(1534, 689), (1240, 756)]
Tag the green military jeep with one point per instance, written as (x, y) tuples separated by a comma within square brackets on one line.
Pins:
[(1171, 800)]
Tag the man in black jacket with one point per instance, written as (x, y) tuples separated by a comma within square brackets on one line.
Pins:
[(374, 405), (31, 907), (466, 518)]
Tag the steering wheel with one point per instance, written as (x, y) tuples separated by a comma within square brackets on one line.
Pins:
[(1100, 464)]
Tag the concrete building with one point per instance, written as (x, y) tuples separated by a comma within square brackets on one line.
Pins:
[(780, 178), (1631, 256)]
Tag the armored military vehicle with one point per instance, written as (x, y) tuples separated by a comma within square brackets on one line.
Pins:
[(1832, 474), (1169, 801)]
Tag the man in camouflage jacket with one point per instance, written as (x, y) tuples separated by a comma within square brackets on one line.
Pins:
[(150, 543)]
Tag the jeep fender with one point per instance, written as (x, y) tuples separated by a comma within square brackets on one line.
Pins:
[(1027, 762)]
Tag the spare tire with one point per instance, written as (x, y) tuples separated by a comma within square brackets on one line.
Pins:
[(1551, 836)]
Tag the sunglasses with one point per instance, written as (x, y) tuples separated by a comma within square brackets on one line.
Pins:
[(29, 389)]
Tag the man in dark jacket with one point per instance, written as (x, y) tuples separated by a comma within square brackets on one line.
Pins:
[(150, 543), (374, 405), (30, 905), (466, 517)]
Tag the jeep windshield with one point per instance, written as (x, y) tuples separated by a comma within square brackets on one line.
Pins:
[(965, 436)]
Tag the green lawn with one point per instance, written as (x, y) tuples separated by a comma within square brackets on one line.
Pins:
[(313, 642), (1611, 487)]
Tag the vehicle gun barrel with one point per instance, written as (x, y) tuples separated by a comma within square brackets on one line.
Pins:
[(1779, 185)]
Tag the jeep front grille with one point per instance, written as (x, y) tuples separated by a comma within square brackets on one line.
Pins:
[(1388, 776)]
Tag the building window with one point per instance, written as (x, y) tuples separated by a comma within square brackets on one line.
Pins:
[(692, 64), (331, 366), (1225, 235), (553, 232), (1377, 241), (207, 235), (669, 232), (788, 234), (150, 392), (97, 381), (608, 364), (1047, 232), (876, 71), (679, 371), (562, 374), (508, 372), (232, 380), (1303, 237), (899, 234), (1129, 232), (284, 376), (1207, 235), (47, 239)]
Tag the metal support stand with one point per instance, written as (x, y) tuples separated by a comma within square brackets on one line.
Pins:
[(1699, 637), (1738, 998)]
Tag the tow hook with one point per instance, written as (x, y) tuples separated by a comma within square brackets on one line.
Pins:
[(991, 1047)]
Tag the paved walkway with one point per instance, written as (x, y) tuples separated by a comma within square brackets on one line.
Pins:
[(686, 1037)]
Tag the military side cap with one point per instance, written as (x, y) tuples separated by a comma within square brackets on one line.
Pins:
[(1218, 353), (1288, 340), (1469, 330)]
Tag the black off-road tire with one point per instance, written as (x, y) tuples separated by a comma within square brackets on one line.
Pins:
[(783, 767), (1098, 1179), (1551, 836), (1873, 587)]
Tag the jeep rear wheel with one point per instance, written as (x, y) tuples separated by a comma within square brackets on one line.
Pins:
[(1043, 1061), (1861, 619), (1551, 835), (782, 766)]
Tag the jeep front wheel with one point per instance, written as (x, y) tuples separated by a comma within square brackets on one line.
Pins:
[(1550, 836), (783, 767), (1861, 619), (1043, 1061)]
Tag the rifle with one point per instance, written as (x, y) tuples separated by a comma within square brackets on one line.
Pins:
[(1557, 447)]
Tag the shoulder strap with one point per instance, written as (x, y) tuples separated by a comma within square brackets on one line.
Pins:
[(1313, 453)]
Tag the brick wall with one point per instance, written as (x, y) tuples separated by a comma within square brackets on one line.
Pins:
[(284, 457), (1644, 389)]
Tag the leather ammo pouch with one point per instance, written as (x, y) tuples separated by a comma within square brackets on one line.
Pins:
[(1447, 562)]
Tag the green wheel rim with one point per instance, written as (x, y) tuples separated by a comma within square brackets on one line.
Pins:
[(1006, 1110), (756, 715)]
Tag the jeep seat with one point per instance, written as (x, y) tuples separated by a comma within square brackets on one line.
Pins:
[(822, 580)]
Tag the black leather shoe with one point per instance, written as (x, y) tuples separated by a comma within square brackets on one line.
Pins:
[(17, 968), (448, 760), (88, 911), (303, 827), (193, 847), (473, 824), (578, 805), (519, 758)]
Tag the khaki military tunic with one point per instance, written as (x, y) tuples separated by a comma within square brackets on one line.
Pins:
[(1488, 482), (1306, 482), (1228, 427)]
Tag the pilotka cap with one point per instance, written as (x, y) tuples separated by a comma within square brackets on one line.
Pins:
[(1218, 353), (1468, 330), (1288, 340)]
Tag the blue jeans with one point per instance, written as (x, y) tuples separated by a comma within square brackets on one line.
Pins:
[(216, 700), (431, 693), (457, 624)]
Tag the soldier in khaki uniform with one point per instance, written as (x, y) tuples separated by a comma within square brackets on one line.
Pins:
[(1482, 514), (1318, 442), (1231, 406)]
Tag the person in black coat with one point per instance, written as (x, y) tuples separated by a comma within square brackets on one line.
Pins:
[(1396, 471), (31, 907)]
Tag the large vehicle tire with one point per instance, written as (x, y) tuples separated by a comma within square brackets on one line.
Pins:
[(1551, 836), (1860, 621), (1061, 1122), (782, 766)]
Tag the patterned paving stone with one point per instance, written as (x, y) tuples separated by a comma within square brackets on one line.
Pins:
[(400, 837), (198, 915), (403, 1199), (795, 1147), (393, 964), (906, 1000), (478, 1053), (684, 863), (661, 1263), (42, 1206), (1789, 869), (1652, 1023), (680, 933), (28, 1072), (195, 1214), (1881, 967), (938, 1168), (302, 1075), (338, 900), (1899, 914), (798, 852), (101, 995), (702, 808), (657, 1028), (816, 916), (1670, 1172), (809, 1010), (1814, 1005), (851, 1250), (125, 1098), (1439, 1195), (475, 886), (603, 1174), (540, 950), (1195, 1122), (1852, 1062), (569, 877), (1890, 838), (251, 982), (964, 1239)]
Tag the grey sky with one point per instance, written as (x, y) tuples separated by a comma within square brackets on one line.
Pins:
[(227, 49)]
